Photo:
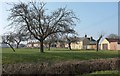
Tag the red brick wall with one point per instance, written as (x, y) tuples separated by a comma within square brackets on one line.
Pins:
[(113, 46)]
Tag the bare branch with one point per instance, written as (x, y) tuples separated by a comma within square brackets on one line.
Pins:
[(32, 16)]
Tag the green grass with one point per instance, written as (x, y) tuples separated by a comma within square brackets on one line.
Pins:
[(104, 73), (55, 55)]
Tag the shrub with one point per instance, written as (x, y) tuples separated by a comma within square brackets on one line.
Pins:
[(29, 69), (63, 68)]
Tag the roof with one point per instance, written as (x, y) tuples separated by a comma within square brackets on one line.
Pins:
[(113, 40), (91, 40), (33, 43)]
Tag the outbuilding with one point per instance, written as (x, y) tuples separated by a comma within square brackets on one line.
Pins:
[(110, 44)]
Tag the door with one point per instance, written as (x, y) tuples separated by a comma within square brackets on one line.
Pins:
[(105, 46)]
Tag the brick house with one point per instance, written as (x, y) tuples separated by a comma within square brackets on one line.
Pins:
[(110, 44), (33, 44), (84, 43)]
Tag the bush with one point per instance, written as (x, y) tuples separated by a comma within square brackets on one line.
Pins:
[(29, 69), (63, 68), (81, 67)]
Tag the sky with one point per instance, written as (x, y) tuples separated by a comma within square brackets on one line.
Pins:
[(95, 17)]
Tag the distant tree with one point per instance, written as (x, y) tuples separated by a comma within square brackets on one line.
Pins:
[(71, 39), (51, 39), (20, 36), (9, 40), (115, 36), (39, 23)]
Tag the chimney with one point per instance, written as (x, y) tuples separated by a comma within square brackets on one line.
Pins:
[(91, 38), (85, 36)]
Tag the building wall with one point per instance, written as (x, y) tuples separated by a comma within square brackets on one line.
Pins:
[(73, 45), (66, 45), (60, 45), (105, 42), (113, 46), (91, 47), (118, 47), (29, 45), (36, 45), (78, 45)]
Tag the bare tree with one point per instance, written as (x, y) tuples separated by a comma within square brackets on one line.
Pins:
[(98, 40), (20, 36), (71, 39), (40, 24), (9, 40), (115, 36), (51, 39)]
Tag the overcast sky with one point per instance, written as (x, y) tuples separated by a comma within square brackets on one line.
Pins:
[(95, 17)]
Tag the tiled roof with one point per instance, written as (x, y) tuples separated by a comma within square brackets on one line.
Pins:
[(113, 40), (91, 40), (82, 38)]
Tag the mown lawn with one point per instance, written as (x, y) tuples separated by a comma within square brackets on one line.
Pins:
[(53, 56), (104, 73)]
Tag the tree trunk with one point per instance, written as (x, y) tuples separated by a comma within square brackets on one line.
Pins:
[(11, 47), (69, 45), (97, 45), (41, 46), (17, 45), (49, 46)]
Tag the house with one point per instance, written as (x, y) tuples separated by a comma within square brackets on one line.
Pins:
[(84, 43), (110, 44), (33, 44), (61, 45), (36, 44)]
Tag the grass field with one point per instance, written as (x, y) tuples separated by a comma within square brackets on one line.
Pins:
[(53, 56), (104, 73)]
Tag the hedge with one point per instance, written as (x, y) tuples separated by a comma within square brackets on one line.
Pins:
[(62, 68)]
